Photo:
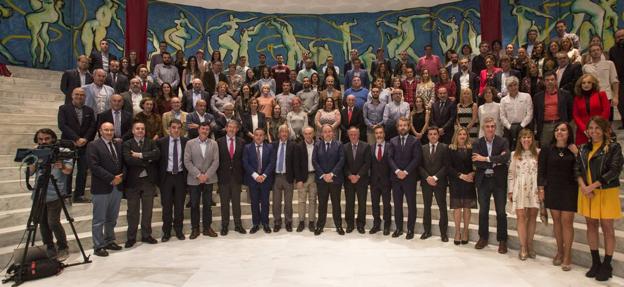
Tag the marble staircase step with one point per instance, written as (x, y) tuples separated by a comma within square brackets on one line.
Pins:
[(30, 118), (51, 83), (12, 95), (29, 108), (36, 74)]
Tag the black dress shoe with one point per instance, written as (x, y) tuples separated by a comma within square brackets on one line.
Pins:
[(318, 231), (340, 231), (209, 232), (311, 226), (361, 230), (386, 231), (129, 243), (374, 230), (301, 226), (180, 236), (444, 238), (289, 226), (425, 235), (149, 240), (397, 233), (113, 246), (410, 235), (266, 228), (254, 229), (350, 228), (194, 233), (165, 238), (224, 231), (101, 252), (240, 229), (277, 227)]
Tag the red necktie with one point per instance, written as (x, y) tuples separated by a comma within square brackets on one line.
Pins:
[(144, 87), (350, 112), (231, 148), (379, 152)]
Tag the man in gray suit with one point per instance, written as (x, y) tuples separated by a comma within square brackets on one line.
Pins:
[(284, 158), (192, 96), (201, 159)]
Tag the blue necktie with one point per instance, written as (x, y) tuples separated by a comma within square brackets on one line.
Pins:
[(280, 160)]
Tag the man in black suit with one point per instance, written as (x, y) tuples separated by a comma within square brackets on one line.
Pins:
[(230, 174), (147, 85), (194, 119), (211, 78), (259, 172), (443, 114), (433, 173), (403, 59), (105, 160), (466, 79), (550, 107), (115, 79), (76, 78), (190, 97), (133, 97), (567, 73), (380, 182), (305, 180), (507, 71), (478, 62), (328, 161), (351, 116), (172, 180), (140, 157), (380, 58), (284, 159), (121, 119), (101, 60), (295, 86), (491, 154), (77, 123), (357, 165), (404, 157)]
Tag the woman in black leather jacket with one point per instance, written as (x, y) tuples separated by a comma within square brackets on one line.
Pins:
[(598, 167)]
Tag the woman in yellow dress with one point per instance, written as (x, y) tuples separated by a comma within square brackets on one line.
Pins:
[(598, 168)]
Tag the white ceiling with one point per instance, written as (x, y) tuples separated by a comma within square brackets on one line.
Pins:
[(310, 7)]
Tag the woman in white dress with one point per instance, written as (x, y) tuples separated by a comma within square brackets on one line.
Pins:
[(522, 190), (490, 109)]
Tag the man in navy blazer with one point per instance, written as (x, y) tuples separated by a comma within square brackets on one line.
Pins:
[(404, 156), (105, 160), (101, 60), (76, 78), (491, 154), (259, 171), (81, 131), (328, 161)]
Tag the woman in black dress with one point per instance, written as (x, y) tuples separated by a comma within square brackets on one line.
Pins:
[(420, 120), (461, 178), (558, 189)]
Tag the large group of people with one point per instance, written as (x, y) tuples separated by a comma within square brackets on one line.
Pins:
[(529, 127)]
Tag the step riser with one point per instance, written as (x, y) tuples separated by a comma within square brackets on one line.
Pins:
[(11, 96)]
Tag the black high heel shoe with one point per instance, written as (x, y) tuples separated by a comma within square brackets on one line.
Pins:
[(604, 272)]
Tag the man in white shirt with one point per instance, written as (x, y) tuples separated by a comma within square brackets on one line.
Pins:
[(516, 111)]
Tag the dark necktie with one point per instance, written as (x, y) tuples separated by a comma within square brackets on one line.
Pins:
[(379, 155), (117, 124), (326, 147), (140, 145), (402, 142), (259, 159), (176, 166), (433, 147), (112, 151)]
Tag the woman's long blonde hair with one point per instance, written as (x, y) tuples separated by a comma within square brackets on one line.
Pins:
[(519, 149), (455, 142)]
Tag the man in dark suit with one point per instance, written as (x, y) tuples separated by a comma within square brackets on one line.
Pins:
[(194, 119), (443, 114), (380, 182), (351, 116), (507, 71), (478, 62), (172, 180), (404, 157), (433, 173), (491, 154), (545, 114), (259, 172), (77, 123), (190, 97), (466, 79), (328, 161), (105, 160), (122, 120), (284, 159), (230, 174), (380, 58), (306, 180), (76, 78), (140, 157), (133, 97), (147, 86), (357, 165), (101, 59), (115, 79), (567, 73), (211, 78)]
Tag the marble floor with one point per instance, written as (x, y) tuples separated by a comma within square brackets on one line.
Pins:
[(301, 259)]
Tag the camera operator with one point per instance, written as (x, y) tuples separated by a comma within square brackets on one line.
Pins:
[(50, 217)]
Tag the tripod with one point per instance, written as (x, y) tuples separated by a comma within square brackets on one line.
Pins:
[(39, 201)]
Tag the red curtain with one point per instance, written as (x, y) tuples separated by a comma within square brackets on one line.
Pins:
[(136, 29), (491, 20)]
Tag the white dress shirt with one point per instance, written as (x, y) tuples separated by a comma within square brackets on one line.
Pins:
[(518, 109)]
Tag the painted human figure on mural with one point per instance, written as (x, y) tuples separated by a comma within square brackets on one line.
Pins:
[(45, 12), (319, 54), (448, 40), (95, 30), (294, 49), (406, 35), (589, 18), (345, 29), (152, 38), (368, 57), (525, 21), (7, 12), (474, 38), (177, 36), (246, 35), (226, 40)]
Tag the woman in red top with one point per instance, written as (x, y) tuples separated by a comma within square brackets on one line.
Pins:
[(487, 74), (588, 102)]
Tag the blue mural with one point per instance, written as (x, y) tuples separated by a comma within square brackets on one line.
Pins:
[(51, 33)]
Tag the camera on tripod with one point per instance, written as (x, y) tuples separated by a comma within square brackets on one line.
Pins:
[(49, 153)]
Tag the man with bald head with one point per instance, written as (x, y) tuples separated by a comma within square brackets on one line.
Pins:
[(77, 123), (121, 120), (443, 114), (190, 97), (351, 116), (195, 118), (98, 93), (175, 113), (132, 98), (75, 78)]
